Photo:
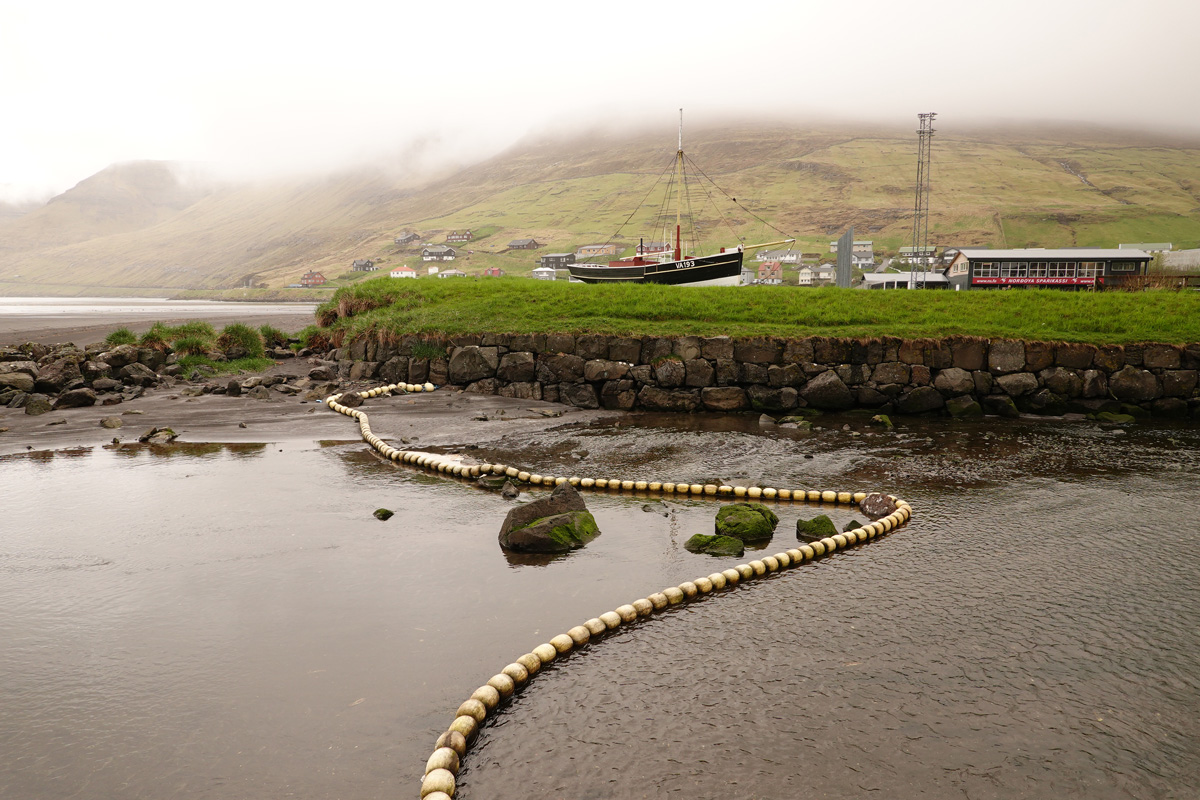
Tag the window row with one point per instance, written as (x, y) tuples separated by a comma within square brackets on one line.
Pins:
[(1039, 269)]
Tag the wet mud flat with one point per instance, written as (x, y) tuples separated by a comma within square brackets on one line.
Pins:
[(217, 621)]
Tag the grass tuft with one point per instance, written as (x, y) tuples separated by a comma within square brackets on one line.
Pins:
[(273, 337), (236, 336), (119, 337)]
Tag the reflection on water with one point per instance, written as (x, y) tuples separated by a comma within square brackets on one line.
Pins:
[(229, 621), (187, 449)]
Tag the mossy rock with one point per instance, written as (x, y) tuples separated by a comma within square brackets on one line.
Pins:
[(851, 525), (749, 522), (1134, 411), (383, 514), (557, 533), (1120, 419), (493, 482), (815, 529), (883, 421), (715, 545)]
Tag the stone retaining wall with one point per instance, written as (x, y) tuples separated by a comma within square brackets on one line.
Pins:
[(959, 376)]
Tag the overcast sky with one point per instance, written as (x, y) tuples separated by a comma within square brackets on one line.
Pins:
[(267, 88)]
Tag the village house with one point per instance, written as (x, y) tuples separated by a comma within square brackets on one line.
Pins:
[(404, 272), (557, 260), (544, 273), (437, 253), (770, 273), (862, 253), (406, 238), (312, 279), (816, 275), (363, 265), (493, 272), (465, 236), (649, 248), (433, 270), (452, 273), (590, 250), (920, 256), (523, 244), (781, 256)]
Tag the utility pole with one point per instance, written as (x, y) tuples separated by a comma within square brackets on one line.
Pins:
[(920, 237)]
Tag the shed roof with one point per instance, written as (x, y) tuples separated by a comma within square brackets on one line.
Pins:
[(1064, 253), (904, 277)]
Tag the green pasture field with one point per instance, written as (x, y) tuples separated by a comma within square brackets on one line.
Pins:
[(436, 308)]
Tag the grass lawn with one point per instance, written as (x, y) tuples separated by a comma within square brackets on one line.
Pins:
[(518, 305)]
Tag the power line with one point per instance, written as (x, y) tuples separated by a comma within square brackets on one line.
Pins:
[(920, 237)]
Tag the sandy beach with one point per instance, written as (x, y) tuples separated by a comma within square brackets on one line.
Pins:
[(439, 418), (444, 417)]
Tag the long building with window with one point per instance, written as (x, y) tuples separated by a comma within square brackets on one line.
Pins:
[(1067, 268)]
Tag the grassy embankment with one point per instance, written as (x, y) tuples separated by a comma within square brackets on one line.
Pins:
[(516, 305)]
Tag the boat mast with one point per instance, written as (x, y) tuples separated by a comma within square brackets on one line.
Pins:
[(679, 187)]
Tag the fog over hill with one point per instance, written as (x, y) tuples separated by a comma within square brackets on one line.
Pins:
[(160, 225)]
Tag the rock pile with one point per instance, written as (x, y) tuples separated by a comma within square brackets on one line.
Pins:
[(42, 378)]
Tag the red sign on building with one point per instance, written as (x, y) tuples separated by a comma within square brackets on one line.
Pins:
[(1036, 281)]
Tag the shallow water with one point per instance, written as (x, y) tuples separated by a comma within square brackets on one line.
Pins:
[(65, 310), (231, 621)]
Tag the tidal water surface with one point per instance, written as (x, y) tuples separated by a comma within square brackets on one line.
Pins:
[(229, 620)]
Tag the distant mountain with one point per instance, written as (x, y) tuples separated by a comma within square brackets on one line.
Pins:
[(122, 198), (143, 225), (10, 211)]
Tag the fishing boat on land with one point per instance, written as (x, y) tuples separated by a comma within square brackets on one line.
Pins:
[(670, 265)]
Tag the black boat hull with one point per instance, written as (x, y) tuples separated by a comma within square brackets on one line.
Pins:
[(722, 269)]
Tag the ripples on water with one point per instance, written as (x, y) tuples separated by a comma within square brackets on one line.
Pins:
[(226, 623)]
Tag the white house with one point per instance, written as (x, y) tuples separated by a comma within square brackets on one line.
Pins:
[(404, 272), (782, 256), (814, 276), (544, 273)]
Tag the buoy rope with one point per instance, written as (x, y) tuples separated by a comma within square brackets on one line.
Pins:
[(442, 767)]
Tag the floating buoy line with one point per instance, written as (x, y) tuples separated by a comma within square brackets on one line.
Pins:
[(442, 767)]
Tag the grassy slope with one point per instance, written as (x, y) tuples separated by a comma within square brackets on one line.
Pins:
[(520, 305), (988, 189)]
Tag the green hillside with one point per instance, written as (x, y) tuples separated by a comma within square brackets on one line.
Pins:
[(1003, 189)]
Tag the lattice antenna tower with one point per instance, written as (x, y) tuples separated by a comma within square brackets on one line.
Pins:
[(920, 238)]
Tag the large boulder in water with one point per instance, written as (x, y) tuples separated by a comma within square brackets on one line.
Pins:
[(715, 545), (750, 522), (815, 529), (553, 524), (877, 505)]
